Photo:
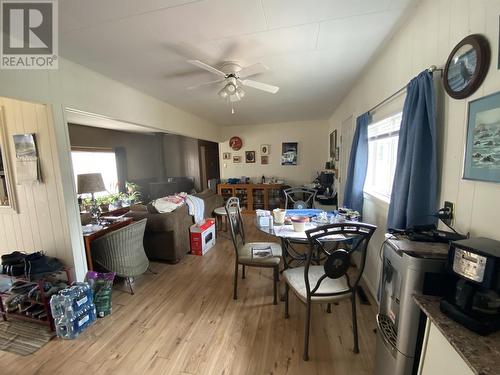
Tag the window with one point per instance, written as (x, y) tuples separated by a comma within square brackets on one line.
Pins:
[(97, 161), (383, 139)]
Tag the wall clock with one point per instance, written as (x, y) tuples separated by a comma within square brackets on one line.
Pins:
[(235, 143), (467, 66)]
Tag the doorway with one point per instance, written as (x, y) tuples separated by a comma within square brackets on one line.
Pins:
[(209, 162)]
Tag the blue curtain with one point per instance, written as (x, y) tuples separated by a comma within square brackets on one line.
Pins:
[(358, 163), (414, 191)]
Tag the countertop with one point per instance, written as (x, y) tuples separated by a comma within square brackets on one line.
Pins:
[(481, 353), (435, 250)]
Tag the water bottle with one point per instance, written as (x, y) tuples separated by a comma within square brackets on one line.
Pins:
[(62, 313), (65, 329), (84, 319), (73, 310), (82, 296)]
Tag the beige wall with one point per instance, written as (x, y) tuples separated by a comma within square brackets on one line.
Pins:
[(77, 87), (312, 138), (182, 157), (143, 154), (41, 222), (426, 38)]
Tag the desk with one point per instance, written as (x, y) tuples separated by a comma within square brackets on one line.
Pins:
[(89, 237)]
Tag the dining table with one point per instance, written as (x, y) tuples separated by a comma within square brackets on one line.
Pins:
[(293, 242)]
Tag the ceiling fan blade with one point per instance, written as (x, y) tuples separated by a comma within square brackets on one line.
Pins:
[(207, 67), (205, 84), (251, 70), (260, 86)]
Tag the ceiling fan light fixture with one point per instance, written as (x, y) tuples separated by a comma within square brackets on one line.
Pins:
[(223, 93), (240, 92), (230, 88)]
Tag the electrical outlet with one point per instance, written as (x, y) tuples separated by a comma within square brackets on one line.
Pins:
[(450, 206)]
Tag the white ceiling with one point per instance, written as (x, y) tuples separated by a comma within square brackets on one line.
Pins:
[(314, 48)]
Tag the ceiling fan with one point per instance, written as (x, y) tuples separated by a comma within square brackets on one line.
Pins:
[(234, 77)]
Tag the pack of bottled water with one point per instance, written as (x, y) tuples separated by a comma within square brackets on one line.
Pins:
[(73, 310)]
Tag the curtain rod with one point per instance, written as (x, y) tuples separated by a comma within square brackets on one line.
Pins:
[(431, 70)]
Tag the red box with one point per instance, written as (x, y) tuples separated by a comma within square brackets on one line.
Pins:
[(202, 237)]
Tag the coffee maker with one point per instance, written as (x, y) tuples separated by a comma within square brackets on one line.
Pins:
[(475, 300)]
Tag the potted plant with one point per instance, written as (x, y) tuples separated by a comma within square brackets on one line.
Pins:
[(133, 194), (103, 203)]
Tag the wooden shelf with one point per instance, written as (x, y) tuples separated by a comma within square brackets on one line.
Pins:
[(45, 300), (253, 196)]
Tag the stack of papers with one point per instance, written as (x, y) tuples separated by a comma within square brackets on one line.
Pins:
[(262, 252)]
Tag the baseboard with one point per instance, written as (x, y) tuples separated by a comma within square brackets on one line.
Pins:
[(371, 289)]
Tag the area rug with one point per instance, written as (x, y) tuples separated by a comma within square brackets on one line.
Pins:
[(23, 338)]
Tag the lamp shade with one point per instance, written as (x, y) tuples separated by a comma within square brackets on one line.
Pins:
[(90, 183)]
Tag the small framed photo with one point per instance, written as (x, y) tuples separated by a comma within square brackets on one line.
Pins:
[(333, 143), (264, 159), (264, 149), (289, 153), (226, 156), (250, 156), (337, 153), (481, 152), (236, 159)]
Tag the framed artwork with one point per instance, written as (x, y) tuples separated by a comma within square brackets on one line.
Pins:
[(264, 149), (337, 153), (226, 156), (27, 161), (250, 156), (467, 66), (235, 143), (498, 42), (264, 159), (289, 153), (236, 159), (333, 143), (482, 151)]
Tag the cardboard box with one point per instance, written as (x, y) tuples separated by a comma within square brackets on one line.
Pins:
[(202, 237)]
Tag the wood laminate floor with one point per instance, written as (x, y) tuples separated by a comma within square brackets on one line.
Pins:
[(183, 320)]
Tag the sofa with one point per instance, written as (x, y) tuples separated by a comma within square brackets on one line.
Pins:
[(167, 234), (153, 188)]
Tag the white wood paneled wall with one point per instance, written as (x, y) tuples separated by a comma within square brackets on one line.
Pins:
[(425, 38), (40, 223)]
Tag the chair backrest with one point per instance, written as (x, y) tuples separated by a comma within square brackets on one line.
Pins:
[(299, 198), (235, 222), (334, 246), (122, 251)]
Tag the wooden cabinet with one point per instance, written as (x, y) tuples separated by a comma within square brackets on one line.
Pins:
[(253, 196), (438, 356)]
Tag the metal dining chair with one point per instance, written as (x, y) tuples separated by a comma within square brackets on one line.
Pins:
[(244, 250), (299, 198), (327, 275)]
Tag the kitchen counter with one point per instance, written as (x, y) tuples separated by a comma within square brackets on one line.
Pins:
[(434, 250), (480, 353)]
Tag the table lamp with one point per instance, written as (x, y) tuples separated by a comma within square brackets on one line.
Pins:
[(90, 183)]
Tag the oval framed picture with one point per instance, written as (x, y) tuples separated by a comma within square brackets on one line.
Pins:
[(467, 66)]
